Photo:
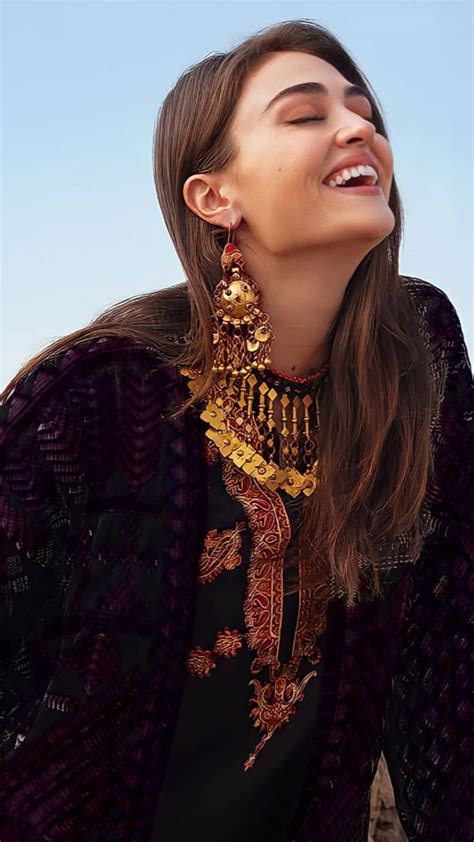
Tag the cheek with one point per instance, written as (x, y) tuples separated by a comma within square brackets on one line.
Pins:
[(383, 151), (266, 184), (270, 160)]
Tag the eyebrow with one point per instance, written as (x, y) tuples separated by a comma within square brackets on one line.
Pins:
[(315, 88)]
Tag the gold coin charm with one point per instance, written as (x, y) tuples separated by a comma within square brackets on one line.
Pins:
[(252, 345), (262, 333), (235, 300)]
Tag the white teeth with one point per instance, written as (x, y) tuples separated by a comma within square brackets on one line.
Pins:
[(344, 175)]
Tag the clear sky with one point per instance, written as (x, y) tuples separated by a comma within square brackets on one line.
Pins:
[(82, 83)]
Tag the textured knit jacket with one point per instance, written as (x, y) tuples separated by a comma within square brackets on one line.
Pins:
[(102, 512)]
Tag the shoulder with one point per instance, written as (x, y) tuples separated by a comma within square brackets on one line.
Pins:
[(438, 318), (449, 367), (87, 371)]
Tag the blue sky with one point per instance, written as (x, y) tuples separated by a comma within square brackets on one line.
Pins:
[(82, 83)]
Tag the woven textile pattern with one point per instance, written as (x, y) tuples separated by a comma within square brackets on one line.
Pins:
[(102, 501)]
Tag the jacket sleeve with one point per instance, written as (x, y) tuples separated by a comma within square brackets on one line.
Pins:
[(41, 490), (428, 729)]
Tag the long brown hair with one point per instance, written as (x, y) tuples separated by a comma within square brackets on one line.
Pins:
[(375, 409)]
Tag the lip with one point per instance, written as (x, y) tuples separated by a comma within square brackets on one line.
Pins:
[(352, 161), (362, 190)]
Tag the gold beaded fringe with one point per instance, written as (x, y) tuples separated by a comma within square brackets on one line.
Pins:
[(249, 439)]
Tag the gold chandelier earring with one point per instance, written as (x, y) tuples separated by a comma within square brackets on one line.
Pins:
[(240, 405), (242, 332)]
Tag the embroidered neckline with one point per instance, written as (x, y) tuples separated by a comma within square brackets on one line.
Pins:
[(275, 699)]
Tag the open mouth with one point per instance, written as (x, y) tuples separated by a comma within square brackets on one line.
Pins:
[(360, 181)]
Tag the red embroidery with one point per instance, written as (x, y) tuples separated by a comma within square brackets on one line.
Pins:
[(221, 552), (275, 704), (212, 452), (263, 607), (201, 661), (275, 700), (228, 642)]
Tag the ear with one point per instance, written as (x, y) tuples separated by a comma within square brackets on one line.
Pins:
[(206, 199)]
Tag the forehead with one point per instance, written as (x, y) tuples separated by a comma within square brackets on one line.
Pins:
[(278, 71)]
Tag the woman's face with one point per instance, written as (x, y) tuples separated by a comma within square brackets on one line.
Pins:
[(276, 178)]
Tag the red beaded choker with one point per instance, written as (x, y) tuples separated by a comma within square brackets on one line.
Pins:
[(307, 379)]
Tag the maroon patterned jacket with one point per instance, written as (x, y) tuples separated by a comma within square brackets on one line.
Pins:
[(102, 501)]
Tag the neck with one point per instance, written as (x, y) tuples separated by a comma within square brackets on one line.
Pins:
[(302, 297)]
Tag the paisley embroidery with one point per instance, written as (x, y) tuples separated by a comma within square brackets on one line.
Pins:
[(275, 700), (275, 704), (263, 608), (221, 552)]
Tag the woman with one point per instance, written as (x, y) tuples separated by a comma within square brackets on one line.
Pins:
[(236, 513)]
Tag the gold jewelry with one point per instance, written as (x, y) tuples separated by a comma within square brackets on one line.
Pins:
[(240, 403)]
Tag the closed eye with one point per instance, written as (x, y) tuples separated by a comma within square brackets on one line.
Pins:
[(318, 119), (306, 120)]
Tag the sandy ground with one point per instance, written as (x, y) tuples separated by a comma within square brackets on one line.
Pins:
[(384, 822)]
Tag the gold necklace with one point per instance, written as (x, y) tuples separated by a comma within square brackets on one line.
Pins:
[(239, 412)]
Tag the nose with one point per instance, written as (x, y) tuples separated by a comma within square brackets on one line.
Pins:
[(360, 127)]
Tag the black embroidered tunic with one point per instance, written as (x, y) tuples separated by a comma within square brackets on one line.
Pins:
[(207, 795)]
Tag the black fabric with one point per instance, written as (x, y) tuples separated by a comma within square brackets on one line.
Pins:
[(207, 795)]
